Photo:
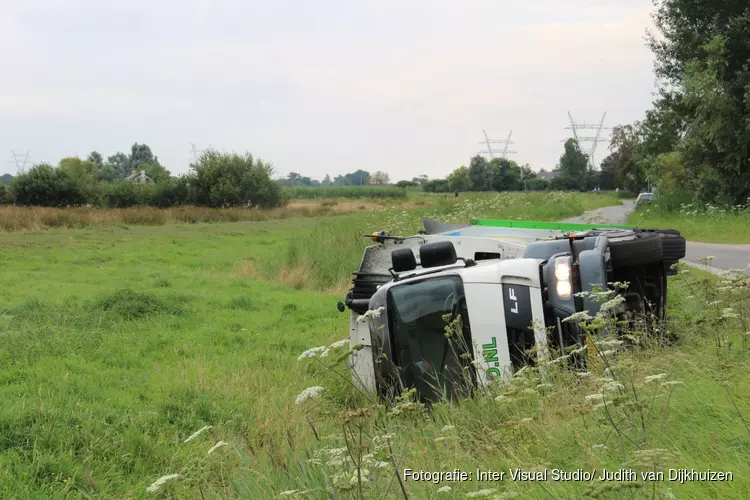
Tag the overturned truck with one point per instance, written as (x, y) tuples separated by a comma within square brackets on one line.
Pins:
[(471, 301)]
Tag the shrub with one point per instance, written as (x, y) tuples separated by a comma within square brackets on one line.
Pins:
[(537, 184), (123, 194), (47, 186), (226, 180)]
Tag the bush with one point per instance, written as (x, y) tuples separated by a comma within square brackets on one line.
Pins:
[(6, 196), (171, 193), (226, 180), (123, 194), (44, 185), (537, 184), (437, 186)]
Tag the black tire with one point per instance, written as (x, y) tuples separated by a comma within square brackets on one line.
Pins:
[(673, 247), (643, 250)]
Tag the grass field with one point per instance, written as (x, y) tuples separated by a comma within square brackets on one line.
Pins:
[(119, 342), (711, 227)]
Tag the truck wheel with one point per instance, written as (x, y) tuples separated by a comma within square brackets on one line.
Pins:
[(673, 247), (645, 249)]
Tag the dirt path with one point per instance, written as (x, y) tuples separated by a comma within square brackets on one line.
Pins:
[(726, 256)]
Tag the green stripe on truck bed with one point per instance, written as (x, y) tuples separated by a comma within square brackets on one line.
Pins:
[(527, 224)]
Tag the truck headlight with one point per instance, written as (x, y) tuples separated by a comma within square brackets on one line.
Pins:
[(562, 275)]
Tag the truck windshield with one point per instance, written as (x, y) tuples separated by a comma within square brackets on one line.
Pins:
[(426, 358)]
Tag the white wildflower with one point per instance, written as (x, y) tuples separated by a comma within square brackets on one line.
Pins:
[(311, 353), (600, 447), (543, 386), (612, 304), (728, 312), (595, 397), (481, 493), (448, 428), (578, 317), (288, 493), (217, 446), (370, 314), (612, 386), (651, 378), (156, 485), (355, 478), (444, 489), (501, 398), (309, 393), (707, 259), (197, 433), (583, 374), (339, 343), (527, 420), (381, 465), (608, 352)]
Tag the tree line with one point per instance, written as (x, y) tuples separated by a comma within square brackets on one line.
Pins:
[(694, 143), (215, 180)]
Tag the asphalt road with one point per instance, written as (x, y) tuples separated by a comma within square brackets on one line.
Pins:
[(727, 256)]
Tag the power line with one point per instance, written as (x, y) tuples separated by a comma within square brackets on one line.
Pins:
[(491, 152), (594, 140)]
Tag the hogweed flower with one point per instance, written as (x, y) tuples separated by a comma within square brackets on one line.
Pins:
[(309, 393), (578, 317), (197, 433), (311, 353), (448, 428), (156, 485), (372, 313), (444, 489), (651, 378), (599, 447)]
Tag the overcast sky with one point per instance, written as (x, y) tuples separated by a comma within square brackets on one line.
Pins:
[(317, 87)]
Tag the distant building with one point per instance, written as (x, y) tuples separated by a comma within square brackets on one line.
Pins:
[(548, 176), (140, 177)]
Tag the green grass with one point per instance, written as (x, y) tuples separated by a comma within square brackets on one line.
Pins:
[(709, 227), (304, 192), (117, 343)]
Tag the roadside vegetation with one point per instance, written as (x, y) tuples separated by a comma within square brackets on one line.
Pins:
[(120, 343), (697, 222)]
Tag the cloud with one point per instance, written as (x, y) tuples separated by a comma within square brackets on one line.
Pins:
[(319, 87)]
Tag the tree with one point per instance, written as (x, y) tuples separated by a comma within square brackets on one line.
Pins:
[(420, 180), (156, 171), (573, 168), (120, 164), (326, 180), (380, 178), (96, 158), (480, 174), (406, 184), (459, 179), (225, 180), (701, 59)]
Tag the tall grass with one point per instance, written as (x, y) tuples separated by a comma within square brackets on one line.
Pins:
[(697, 222), (15, 218), (305, 192)]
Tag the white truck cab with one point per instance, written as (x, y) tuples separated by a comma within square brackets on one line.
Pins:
[(480, 299)]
